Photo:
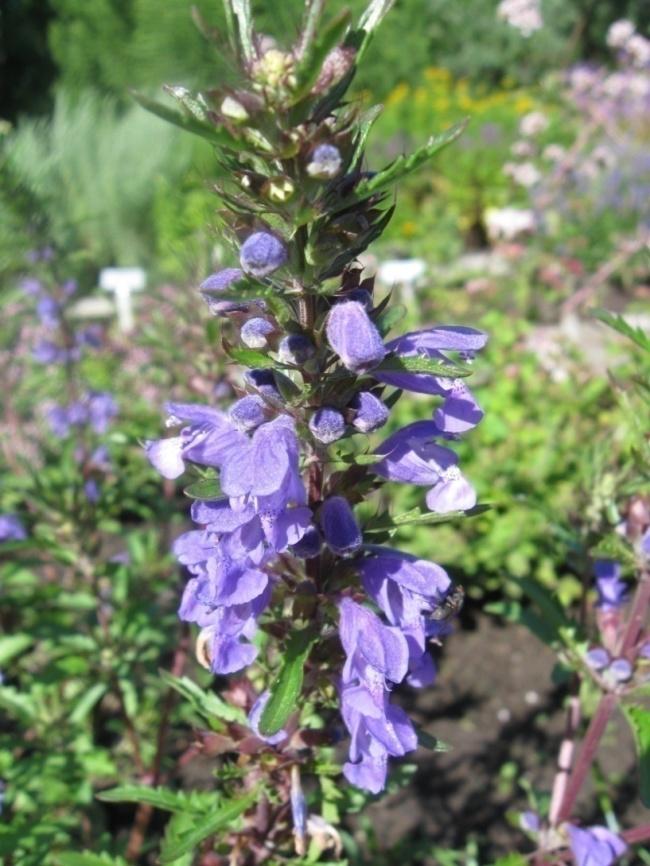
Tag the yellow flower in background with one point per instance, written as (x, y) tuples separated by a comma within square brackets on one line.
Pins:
[(398, 94), (409, 228)]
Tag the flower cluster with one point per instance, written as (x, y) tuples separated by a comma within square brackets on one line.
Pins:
[(524, 15), (282, 470), (59, 344)]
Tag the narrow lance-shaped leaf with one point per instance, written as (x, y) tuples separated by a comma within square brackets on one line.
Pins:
[(285, 691), (371, 18), (639, 720), (422, 364), (208, 826), (313, 12), (207, 704), (365, 125), (311, 63), (214, 134), (618, 323), (160, 798), (242, 12), (404, 165)]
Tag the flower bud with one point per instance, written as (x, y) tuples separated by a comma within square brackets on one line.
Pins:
[(327, 425), (340, 528), (370, 412), (279, 189), (597, 658), (262, 253), (620, 670), (325, 162), (295, 349), (309, 545), (263, 381), (255, 333), (247, 413), (222, 280), (337, 64), (353, 337), (233, 110)]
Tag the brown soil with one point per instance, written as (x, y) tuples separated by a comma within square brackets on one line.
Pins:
[(494, 704)]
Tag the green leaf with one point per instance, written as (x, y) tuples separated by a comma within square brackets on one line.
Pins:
[(242, 13), (432, 743), (208, 826), (310, 64), (251, 357), (618, 323), (364, 126), (160, 798), (404, 165), (639, 720), (371, 18), (417, 517), (421, 364), (285, 691), (207, 704), (85, 703), (13, 645), (18, 704), (87, 858), (393, 316), (204, 488), (214, 134)]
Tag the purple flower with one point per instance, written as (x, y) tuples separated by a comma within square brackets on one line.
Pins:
[(411, 457), (218, 283), (57, 417), (31, 286), (353, 337), (460, 411), (612, 591), (248, 413), (325, 162), (91, 490), (529, 822), (309, 545), (369, 412), (254, 720), (208, 439), (644, 652), (222, 280), (327, 424), (620, 670), (48, 311), (262, 253), (377, 655), (262, 381), (295, 349), (48, 352), (407, 590), (11, 528), (340, 526), (597, 658), (102, 408), (255, 333), (595, 846)]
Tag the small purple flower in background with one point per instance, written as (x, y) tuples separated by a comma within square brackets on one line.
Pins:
[(262, 253), (595, 846), (48, 311), (11, 528), (612, 591)]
